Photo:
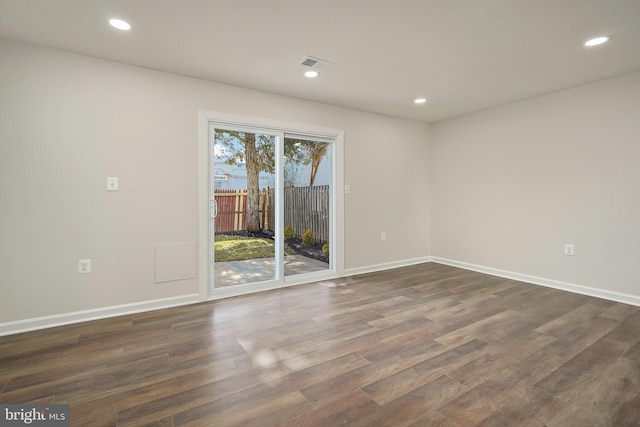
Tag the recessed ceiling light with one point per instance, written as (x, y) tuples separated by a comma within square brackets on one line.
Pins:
[(597, 41), (120, 24), (311, 74), (420, 100)]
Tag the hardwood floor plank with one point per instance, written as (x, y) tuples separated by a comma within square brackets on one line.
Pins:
[(151, 385), (434, 419), (415, 405), (395, 385), (598, 400), (165, 422), (634, 352), (507, 394), (568, 321), (367, 309), (628, 331), (552, 308), (509, 390), (323, 371), (232, 386), (382, 335), (529, 409), (479, 328), (118, 397), (619, 312), (524, 349), (473, 406), (328, 344), (415, 346), (260, 406), (568, 380), (514, 330), (628, 415), (461, 315), (349, 409), (56, 357), (528, 371), (367, 374), (581, 337)]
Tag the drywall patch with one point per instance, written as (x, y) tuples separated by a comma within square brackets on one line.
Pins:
[(175, 261)]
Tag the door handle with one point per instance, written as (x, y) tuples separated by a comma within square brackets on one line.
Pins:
[(213, 208)]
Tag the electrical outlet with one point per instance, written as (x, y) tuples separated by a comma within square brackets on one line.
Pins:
[(569, 250), (383, 236), (84, 266)]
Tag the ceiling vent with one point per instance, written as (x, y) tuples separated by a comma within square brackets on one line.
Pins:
[(315, 63)]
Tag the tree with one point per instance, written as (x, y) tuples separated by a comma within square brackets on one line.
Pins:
[(257, 152), (306, 152), (317, 151)]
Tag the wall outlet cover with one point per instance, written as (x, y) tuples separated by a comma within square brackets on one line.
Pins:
[(84, 266)]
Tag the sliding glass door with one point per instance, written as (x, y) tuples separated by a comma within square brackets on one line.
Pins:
[(271, 201)]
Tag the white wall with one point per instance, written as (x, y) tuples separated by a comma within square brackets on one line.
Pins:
[(512, 185), (69, 121)]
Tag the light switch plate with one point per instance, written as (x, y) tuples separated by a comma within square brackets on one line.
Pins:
[(112, 184)]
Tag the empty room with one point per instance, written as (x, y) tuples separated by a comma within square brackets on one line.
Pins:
[(296, 213)]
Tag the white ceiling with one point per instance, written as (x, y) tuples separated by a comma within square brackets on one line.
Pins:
[(463, 55)]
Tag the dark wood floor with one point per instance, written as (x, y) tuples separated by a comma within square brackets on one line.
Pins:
[(427, 345)]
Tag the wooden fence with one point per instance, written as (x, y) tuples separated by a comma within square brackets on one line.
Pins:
[(232, 208), (304, 208), (308, 208)]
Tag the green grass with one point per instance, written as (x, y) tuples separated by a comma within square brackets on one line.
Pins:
[(239, 248)]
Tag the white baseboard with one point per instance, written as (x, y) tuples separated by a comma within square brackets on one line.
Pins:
[(385, 266), (27, 325), (550, 283)]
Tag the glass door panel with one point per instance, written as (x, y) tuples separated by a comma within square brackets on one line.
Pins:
[(243, 182), (308, 175)]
